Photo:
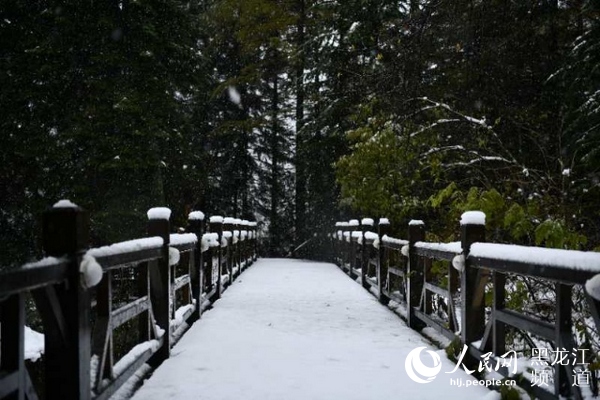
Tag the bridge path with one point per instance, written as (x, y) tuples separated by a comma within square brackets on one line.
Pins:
[(299, 330)]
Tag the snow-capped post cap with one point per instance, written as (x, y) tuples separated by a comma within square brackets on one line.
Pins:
[(367, 221), (216, 219), (65, 229), (196, 216), (339, 224), (353, 222), (229, 221), (159, 213), (416, 222), (472, 218), (384, 221), (65, 203)]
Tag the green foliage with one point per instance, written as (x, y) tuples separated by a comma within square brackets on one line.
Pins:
[(553, 233)]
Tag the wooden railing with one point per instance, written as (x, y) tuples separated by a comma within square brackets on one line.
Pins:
[(143, 293), (453, 300)]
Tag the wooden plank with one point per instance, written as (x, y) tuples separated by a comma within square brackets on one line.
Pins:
[(185, 247), (130, 258), (372, 282), (435, 254), (181, 281), (21, 280), (434, 324), (440, 291), (9, 383), (129, 311), (396, 271), (556, 274), (526, 323), (113, 386)]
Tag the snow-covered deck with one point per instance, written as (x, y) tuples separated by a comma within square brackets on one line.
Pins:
[(290, 330)]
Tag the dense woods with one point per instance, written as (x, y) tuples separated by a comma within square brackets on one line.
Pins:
[(301, 112)]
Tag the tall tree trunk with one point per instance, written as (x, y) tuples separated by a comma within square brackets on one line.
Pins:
[(300, 164), (275, 229)]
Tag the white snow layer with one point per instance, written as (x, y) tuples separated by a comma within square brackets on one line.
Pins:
[(367, 221), (159, 213), (592, 286), (298, 330), (196, 215), (472, 218), (90, 270), (416, 222), (571, 259), (384, 221), (216, 219), (34, 344), (126, 247), (64, 204), (174, 256), (229, 220), (452, 247), (176, 239), (353, 222)]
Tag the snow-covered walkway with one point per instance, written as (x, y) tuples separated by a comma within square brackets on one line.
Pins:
[(289, 329)]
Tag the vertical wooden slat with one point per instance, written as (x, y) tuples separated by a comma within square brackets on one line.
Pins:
[(196, 226), (382, 262), (499, 328), (415, 275)]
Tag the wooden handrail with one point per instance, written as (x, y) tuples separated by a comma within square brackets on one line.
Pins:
[(472, 266), (86, 363)]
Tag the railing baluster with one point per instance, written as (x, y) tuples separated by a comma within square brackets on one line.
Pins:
[(415, 275), (196, 226), (383, 228)]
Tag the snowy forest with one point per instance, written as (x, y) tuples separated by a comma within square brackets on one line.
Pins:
[(298, 113)]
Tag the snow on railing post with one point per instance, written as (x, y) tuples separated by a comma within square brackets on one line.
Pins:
[(415, 274), (196, 226), (216, 226), (67, 347), (383, 228), (472, 281), (160, 281)]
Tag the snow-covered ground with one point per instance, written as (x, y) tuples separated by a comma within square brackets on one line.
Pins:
[(296, 330)]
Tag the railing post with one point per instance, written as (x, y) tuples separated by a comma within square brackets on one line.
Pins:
[(66, 306), (364, 256), (216, 226), (196, 226), (230, 251), (472, 281), (253, 243), (160, 281), (352, 227), (414, 275), (237, 245), (564, 374), (383, 228), (12, 345)]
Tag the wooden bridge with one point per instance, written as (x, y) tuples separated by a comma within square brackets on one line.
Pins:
[(287, 329)]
